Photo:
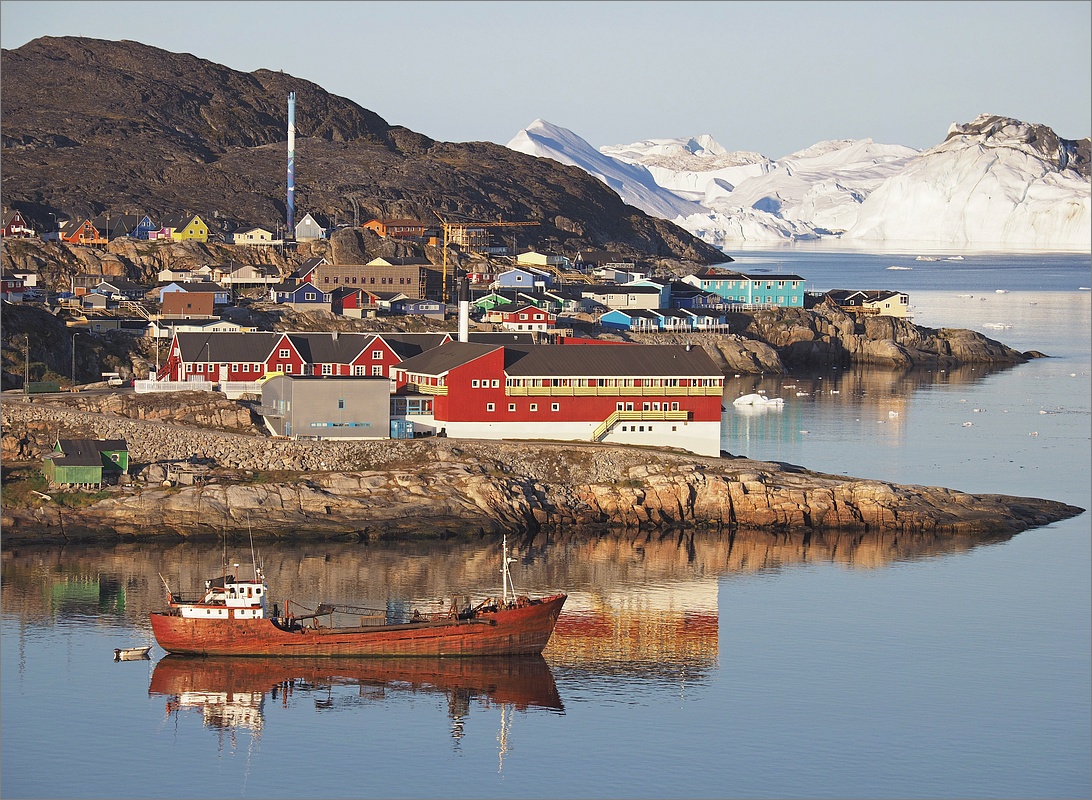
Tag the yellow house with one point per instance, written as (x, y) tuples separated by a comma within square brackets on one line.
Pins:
[(188, 227)]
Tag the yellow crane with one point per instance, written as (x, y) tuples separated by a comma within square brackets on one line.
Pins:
[(459, 230)]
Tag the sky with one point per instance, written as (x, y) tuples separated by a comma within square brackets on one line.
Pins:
[(768, 77)]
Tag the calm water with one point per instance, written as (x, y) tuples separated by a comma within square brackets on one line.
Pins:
[(682, 667)]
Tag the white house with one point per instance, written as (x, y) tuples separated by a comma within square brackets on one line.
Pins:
[(253, 236), (309, 228)]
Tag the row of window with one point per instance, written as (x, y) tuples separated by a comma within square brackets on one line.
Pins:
[(648, 406), (359, 370), (351, 280)]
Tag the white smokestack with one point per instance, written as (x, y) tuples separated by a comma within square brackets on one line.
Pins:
[(464, 311)]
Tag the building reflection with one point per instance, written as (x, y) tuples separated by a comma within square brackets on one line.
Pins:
[(230, 694)]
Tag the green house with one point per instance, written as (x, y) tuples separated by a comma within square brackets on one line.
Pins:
[(82, 462)]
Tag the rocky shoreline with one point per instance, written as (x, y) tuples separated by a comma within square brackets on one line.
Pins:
[(191, 481)]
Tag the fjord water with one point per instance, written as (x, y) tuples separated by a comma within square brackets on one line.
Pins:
[(683, 666)]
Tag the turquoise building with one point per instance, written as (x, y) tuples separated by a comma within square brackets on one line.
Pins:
[(738, 288)]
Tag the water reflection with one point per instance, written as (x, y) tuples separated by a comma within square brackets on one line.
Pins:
[(644, 604), (879, 399), (230, 693)]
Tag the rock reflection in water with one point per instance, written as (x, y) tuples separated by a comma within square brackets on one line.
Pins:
[(874, 395), (643, 604)]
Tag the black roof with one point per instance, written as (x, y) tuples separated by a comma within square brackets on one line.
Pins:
[(84, 452), (574, 360)]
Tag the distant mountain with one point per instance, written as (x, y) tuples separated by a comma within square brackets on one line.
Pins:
[(90, 126), (993, 183)]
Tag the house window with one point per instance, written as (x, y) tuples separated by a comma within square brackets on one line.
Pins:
[(340, 404), (377, 370), (555, 406), (474, 383), (287, 369), (327, 369), (284, 354), (496, 383), (674, 406), (358, 370), (534, 406), (490, 407), (377, 354), (308, 295), (511, 406)]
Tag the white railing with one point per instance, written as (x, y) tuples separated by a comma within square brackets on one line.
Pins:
[(146, 387), (236, 389)]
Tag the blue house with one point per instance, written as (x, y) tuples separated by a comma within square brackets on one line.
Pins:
[(411, 306), (524, 278), (143, 227), (738, 288), (301, 295), (638, 320)]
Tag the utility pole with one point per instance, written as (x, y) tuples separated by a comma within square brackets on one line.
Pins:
[(77, 333), (26, 366)]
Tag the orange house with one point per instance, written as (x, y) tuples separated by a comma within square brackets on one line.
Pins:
[(396, 228), (81, 233)]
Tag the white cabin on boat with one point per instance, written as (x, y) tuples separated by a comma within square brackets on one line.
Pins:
[(227, 597)]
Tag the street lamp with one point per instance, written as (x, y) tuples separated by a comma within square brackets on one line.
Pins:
[(77, 333)]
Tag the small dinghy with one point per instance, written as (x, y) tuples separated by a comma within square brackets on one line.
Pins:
[(131, 653)]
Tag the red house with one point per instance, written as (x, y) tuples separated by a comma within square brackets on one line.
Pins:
[(525, 318), (659, 395), (232, 356), (15, 226)]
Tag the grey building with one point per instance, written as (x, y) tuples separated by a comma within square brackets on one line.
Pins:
[(327, 407)]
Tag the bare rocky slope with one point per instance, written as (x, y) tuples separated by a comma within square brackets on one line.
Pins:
[(92, 125), (192, 481)]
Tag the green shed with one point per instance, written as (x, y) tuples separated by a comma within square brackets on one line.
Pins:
[(82, 462)]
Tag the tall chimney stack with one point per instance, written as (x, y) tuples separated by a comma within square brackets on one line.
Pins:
[(464, 310), (291, 232)]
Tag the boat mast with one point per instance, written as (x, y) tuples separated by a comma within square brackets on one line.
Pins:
[(506, 573)]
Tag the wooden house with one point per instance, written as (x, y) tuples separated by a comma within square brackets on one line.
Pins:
[(396, 228), (80, 231), (310, 228), (85, 462), (14, 226)]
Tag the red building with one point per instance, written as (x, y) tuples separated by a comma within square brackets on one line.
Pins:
[(232, 356), (660, 395), (524, 318), (15, 226)]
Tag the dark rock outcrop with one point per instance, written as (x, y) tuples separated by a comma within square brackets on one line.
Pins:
[(399, 488)]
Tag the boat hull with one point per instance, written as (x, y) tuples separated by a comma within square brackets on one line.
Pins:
[(524, 630)]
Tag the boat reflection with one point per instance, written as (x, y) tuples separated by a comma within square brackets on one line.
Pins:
[(231, 693)]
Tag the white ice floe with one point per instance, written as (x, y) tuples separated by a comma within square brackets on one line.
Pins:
[(757, 400)]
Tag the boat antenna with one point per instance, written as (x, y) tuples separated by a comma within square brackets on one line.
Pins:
[(506, 573), (253, 560)]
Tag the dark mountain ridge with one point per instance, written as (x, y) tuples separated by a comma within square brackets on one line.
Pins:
[(91, 125)]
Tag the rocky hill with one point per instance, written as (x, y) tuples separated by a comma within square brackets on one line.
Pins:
[(91, 125)]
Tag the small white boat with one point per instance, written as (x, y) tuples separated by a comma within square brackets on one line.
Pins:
[(1001, 291), (131, 653), (902, 268)]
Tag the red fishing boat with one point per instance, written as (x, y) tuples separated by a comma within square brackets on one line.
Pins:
[(231, 618)]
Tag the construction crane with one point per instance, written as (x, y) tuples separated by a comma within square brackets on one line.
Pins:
[(460, 229)]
